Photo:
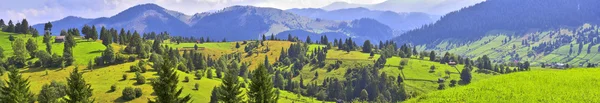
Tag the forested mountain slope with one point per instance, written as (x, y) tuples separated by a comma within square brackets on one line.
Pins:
[(519, 16)]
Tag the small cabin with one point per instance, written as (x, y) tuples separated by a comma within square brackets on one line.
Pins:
[(59, 39)]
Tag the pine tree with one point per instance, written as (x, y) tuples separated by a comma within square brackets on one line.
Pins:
[(229, 91), (165, 85), (24, 27), (367, 46), (214, 95), (261, 87), (16, 89), (78, 90), (465, 75)]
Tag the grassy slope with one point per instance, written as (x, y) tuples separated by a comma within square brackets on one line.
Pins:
[(417, 75), (557, 86), (418, 79), (492, 46), (83, 52), (102, 78)]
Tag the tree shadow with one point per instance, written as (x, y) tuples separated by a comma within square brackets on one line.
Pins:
[(425, 80), (110, 91), (97, 51), (121, 100)]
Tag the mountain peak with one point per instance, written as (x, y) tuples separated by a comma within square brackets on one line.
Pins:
[(148, 6)]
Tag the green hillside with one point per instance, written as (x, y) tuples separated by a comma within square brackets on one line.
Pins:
[(418, 78), (545, 86), (539, 46), (102, 78)]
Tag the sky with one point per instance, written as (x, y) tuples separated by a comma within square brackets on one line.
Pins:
[(40, 11)]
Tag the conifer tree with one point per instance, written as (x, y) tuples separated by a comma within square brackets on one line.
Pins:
[(165, 86), (78, 91), (16, 89), (261, 87), (229, 91), (214, 95)]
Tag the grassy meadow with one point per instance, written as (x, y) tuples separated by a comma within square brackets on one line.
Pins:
[(538, 85)]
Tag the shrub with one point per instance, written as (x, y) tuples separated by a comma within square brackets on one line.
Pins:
[(186, 79), (143, 69), (120, 58), (453, 83), (124, 76), (138, 92), (113, 88), (196, 86), (131, 58), (198, 75), (140, 79), (432, 69), (128, 93), (134, 68)]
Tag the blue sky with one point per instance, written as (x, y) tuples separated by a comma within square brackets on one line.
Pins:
[(38, 11)]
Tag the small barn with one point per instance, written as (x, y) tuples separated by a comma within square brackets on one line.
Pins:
[(59, 39)]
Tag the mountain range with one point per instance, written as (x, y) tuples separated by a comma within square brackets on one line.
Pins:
[(437, 7), (398, 21), (231, 23), (511, 17)]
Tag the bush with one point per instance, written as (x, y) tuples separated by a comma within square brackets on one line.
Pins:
[(432, 69), (138, 92), (113, 88), (128, 93), (143, 69), (196, 86), (186, 79), (120, 58), (124, 76), (140, 79), (452, 83), (198, 75), (131, 58), (134, 68)]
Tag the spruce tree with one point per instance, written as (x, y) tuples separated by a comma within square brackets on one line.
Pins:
[(229, 91), (78, 90), (214, 95), (165, 86), (261, 87), (16, 89)]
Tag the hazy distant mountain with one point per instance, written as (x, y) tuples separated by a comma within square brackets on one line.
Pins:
[(438, 7), (396, 21), (232, 23), (143, 18), (518, 16), (342, 5), (247, 22)]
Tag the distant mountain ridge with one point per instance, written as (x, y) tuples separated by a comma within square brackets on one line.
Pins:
[(396, 21), (436, 7), (231, 23), (518, 16)]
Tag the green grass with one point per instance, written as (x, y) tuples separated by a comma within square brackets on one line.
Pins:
[(83, 52), (539, 85), (418, 78), (492, 46)]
